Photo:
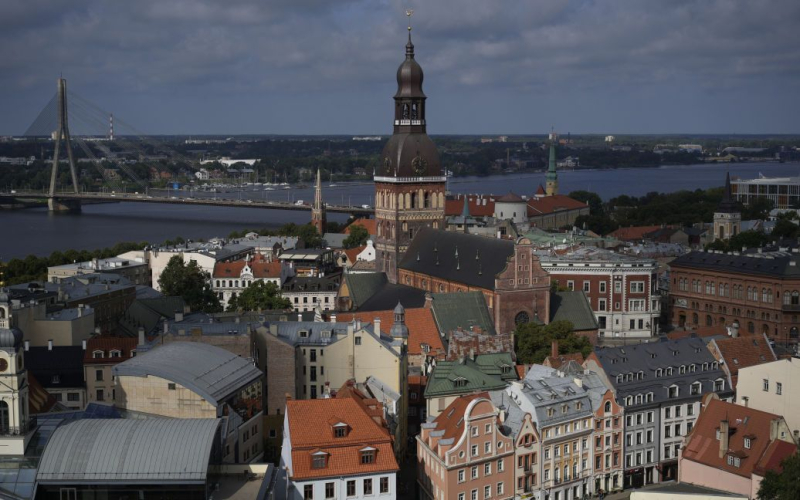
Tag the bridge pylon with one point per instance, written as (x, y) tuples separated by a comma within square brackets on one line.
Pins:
[(62, 134)]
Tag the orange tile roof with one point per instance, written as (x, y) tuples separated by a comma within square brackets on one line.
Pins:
[(703, 446), (522, 370), (352, 253), (633, 232), (107, 344), (551, 204), (557, 361), (39, 400), (261, 267), (741, 352), (368, 224), (479, 206), (311, 430), (422, 327), (451, 420)]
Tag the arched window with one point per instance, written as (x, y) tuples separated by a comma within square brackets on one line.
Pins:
[(795, 298), (695, 319), (709, 321), (608, 407), (522, 318), (427, 200), (414, 201), (4, 419), (751, 328)]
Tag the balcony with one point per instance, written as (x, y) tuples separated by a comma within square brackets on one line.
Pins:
[(790, 307), (25, 428)]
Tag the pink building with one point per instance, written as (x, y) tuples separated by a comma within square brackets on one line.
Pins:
[(608, 426), (464, 454), (732, 446)]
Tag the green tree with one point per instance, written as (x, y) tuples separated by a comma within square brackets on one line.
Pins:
[(784, 485), (309, 235), (190, 282), (785, 228), (259, 296), (534, 341), (745, 239), (358, 236), (592, 199), (600, 224)]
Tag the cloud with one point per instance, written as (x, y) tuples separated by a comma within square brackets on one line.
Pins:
[(281, 53)]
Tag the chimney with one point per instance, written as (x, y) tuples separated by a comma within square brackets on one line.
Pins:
[(273, 329), (27, 345), (428, 300), (80, 310), (377, 322), (237, 320), (50, 345), (472, 353), (97, 330), (554, 349), (141, 335), (333, 318), (357, 326), (723, 438), (178, 316), (83, 344), (299, 317), (773, 429)]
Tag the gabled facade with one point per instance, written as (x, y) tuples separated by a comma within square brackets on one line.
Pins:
[(335, 448), (230, 279), (466, 453)]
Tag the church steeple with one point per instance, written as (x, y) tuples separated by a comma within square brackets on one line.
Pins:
[(318, 215), (552, 174), (727, 218)]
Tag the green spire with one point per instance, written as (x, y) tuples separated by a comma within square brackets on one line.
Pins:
[(551, 170)]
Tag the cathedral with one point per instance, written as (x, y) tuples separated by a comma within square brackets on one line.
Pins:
[(409, 182)]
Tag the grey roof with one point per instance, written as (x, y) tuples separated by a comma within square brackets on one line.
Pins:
[(10, 338), (363, 286), (465, 310), (650, 357), (390, 294), (209, 371), (327, 283), (514, 414), (767, 263), (60, 367), (129, 451), (334, 240), (324, 333), (147, 313), (544, 389), (573, 306), (462, 258)]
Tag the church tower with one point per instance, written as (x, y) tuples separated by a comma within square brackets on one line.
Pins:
[(409, 184), (727, 218), (318, 216), (14, 426), (552, 175)]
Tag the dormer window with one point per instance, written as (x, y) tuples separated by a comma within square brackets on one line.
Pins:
[(303, 334), (319, 460), (425, 347), (340, 430), (56, 379), (325, 334), (659, 372), (115, 353), (98, 354), (748, 443), (460, 382), (673, 392), (367, 455)]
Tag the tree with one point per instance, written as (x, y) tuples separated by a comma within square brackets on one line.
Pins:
[(309, 235), (592, 199), (534, 341), (785, 228), (358, 236), (259, 296), (745, 239), (190, 282), (600, 224), (784, 485)]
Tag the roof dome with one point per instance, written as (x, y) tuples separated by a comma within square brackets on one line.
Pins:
[(409, 75), (10, 338)]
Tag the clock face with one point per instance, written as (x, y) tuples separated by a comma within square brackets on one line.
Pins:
[(3, 365), (419, 165)]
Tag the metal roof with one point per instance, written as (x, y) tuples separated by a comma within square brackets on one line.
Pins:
[(128, 451), (209, 371)]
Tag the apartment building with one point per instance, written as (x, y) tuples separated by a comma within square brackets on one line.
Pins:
[(773, 387)]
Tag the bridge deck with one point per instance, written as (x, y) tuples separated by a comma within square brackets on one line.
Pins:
[(141, 198)]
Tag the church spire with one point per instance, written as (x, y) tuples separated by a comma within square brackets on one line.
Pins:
[(552, 174), (318, 216)]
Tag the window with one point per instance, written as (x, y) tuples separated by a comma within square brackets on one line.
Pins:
[(601, 304), (308, 492), (617, 287), (602, 287), (500, 465), (778, 388), (747, 443), (367, 456), (368, 486), (358, 340), (461, 476), (171, 386), (474, 431), (673, 392), (475, 472), (766, 385), (500, 488), (100, 395), (330, 490), (73, 396), (339, 431), (474, 450), (351, 488), (487, 491), (637, 286), (318, 461), (97, 354), (487, 468), (587, 286), (384, 485), (570, 285), (98, 376)]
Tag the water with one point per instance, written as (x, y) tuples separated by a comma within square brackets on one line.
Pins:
[(36, 232)]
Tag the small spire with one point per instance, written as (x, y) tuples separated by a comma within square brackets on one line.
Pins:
[(409, 45)]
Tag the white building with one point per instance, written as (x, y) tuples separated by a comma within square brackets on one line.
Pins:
[(772, 387), (202, 174), (230, 279), (337, 448)]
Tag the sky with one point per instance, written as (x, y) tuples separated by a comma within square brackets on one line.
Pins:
[(328, 66)]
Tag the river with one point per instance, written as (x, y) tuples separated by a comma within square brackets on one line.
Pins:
[(34, 231)]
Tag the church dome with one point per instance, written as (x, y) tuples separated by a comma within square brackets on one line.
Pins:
[(409, 75), (410, 155), (10, 338)]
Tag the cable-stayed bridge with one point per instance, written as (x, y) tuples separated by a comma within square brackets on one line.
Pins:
[(70, 119)]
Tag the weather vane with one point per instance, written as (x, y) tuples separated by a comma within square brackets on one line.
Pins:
[(409, 13)]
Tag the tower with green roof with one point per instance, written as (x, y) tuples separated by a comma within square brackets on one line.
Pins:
[(552, 175)]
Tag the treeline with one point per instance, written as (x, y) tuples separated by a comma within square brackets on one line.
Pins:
[(682, 208), (33, 268)]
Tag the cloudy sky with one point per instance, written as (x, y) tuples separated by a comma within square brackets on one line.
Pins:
[(328, 66)]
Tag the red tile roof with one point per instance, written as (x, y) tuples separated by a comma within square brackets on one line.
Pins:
[(703, 446), (522, 370), (511, 197), (352, 253), (422, 327), (555, 203), (451, 420), (311, 430), (261, 267), (107, 344), (632, 233), (368, 224), (39, 400), (479, 206), (742, 352)]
